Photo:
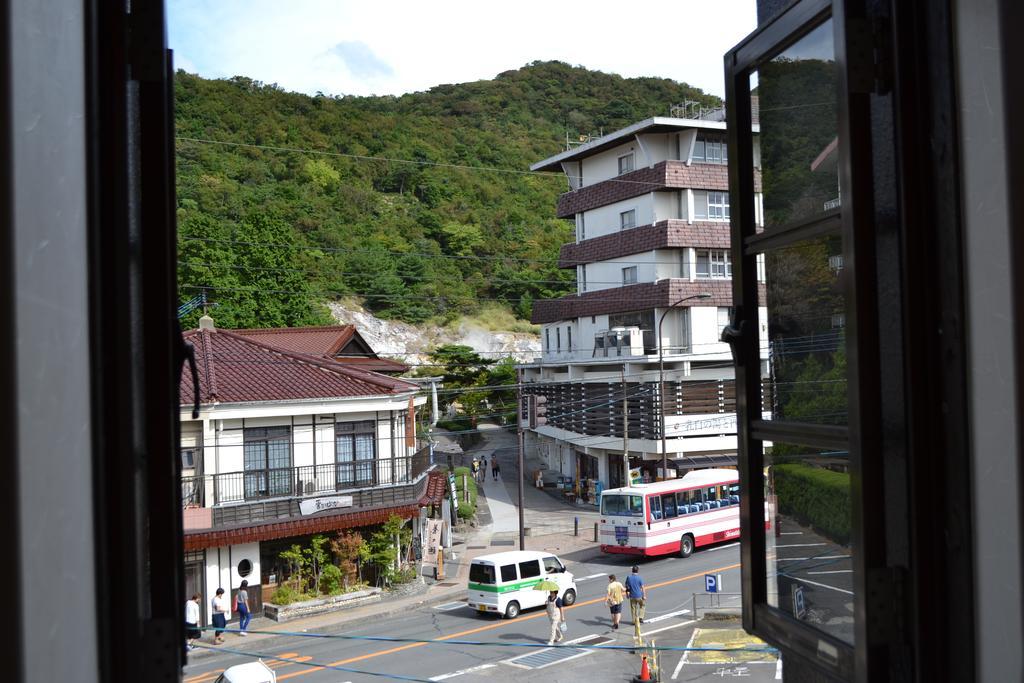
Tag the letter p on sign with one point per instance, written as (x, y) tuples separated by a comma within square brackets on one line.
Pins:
[(712, 583)]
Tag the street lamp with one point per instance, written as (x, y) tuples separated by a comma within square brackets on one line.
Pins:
[(661, 376)]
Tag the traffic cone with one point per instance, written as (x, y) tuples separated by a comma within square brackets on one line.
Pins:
[(645, 671)]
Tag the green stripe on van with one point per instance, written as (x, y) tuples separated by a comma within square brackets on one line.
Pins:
[(506, 588)]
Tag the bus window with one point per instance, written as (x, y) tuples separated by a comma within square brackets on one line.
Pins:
[(683, 502), (668, 504), (712, 492), (620, 505), (655, 508)]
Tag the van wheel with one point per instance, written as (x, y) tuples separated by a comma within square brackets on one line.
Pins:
[(512, 610), (686, 546), (569, 597)]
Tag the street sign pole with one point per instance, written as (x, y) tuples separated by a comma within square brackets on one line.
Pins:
[(519, 390)]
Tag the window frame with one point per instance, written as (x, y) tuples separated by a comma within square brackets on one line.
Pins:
[(632, 219), (630, 158), (266, 481), (629, 275), (352, 429)]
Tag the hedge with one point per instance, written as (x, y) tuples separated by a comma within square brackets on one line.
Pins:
[(466, 511), (817, 497)]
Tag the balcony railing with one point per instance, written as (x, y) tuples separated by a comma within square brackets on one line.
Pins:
[(307, 480)]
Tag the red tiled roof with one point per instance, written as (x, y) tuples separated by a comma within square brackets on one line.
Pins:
[(437, 484), (299, 526), (238, 369), (325, 342)]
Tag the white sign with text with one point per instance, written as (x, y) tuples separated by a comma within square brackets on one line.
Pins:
[(311, 506)]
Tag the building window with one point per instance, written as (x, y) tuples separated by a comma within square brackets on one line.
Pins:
[(558, 338), (724, 318), (710, 149), (718, 206), (568, 338), (714, 263), (547, 338), (355, 448), (581, 226), (626, 163), (267, 461), (835, 262), (685, 338), (188, 458), (245, 568), (629, 275), (583, 278), (627, 219)]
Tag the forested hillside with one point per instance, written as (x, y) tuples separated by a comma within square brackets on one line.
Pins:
[(385, 199)]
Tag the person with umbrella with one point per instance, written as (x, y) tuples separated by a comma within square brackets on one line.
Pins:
[(555, 608)]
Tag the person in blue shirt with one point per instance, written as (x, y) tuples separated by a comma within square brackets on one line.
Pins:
[(637, 595)]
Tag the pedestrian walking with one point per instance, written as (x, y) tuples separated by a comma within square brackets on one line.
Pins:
[(556, 614), (242, 607), (616, 595), (476, 469), (495, 468), (192, 617), (637, 594), (220, 608)]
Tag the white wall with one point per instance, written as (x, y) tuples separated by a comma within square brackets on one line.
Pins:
[(605, 165), (605, 220), (608, 274)]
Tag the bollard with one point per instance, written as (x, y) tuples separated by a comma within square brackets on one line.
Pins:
[(595, 532), (575, 526)]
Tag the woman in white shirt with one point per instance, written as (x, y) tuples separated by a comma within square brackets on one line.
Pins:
[(192, 620)]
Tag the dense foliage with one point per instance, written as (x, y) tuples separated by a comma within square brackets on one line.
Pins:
[(274, 231), (815, 496)]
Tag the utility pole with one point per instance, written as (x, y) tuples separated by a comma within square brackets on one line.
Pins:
[(519, 422), (625, 428)]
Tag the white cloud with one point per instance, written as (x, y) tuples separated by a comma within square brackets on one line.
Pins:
[(398, 47)]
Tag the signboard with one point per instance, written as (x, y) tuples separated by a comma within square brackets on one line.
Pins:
[(432, 542), (799, 604), (622, 535), (636, 476), (311, 506), (713, 583), (454, 493)]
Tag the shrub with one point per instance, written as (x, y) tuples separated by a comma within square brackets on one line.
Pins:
[(815, 496), (330, 580), (467, 510), (285, 595)]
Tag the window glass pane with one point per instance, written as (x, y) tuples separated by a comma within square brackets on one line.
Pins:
[(255, 456), (527, 570), (655, 503), (636, 505), (668, 505), (703, 266), (698, 150), (508, 573), (552, 565), (364, 446), (797, 108), (343, 449), (807, 536), (481, 573), (807, 355), (700, 206)]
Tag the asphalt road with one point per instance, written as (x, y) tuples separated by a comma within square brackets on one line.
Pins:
[(671, 583)]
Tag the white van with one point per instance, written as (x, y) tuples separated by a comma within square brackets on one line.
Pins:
[(503, 583)]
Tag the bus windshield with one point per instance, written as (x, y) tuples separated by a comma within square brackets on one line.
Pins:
[(622, 505)]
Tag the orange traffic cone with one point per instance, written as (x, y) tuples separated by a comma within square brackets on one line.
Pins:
[(645, 672)]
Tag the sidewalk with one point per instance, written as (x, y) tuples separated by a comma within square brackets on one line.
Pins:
[(550, 523)]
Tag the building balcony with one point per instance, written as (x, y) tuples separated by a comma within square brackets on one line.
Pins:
[(665, 175), (229, 488), (667, 234), (638, 297)]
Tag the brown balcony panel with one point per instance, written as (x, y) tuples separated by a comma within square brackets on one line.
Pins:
[(665, 234), (639, 297), (665, 175)]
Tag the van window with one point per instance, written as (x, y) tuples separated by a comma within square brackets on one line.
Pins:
[(508, 573), (481, 573), (552, 565), (529, 569)]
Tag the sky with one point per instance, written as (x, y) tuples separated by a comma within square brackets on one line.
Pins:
[(356, 47)]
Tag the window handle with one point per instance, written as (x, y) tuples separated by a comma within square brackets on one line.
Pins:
[(732, 334)]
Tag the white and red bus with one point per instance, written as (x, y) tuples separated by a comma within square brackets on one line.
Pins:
[(672, 516)]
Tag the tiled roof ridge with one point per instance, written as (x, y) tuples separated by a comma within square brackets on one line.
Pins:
[(329, 365), (286, 330)]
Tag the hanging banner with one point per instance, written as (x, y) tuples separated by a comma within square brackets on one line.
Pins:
[(432, 542), (410, 426)]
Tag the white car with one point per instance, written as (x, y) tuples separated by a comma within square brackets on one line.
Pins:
[(503, 583), (252, 672)]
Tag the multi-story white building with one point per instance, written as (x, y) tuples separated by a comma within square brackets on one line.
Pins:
[(650, 203)]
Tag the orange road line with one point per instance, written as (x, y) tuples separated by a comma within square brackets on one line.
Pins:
[(489, 627)]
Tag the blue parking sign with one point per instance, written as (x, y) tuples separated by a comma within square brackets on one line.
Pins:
[(711, 583)]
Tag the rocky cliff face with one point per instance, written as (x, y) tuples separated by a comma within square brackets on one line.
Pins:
[(411, 343)]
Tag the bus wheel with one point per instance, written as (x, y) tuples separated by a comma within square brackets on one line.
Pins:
[(686, 546), (512, 610), (569, 597)]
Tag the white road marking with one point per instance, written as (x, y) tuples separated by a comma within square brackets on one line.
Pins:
[(778, 669), (834, 571), (663, 617), (791, 533), (470, 670), (822, 585), (819, 557), (666, 628), (799, 545), (722, 547), (588, 578), (582, 653), (448, 606), (682, 660)]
